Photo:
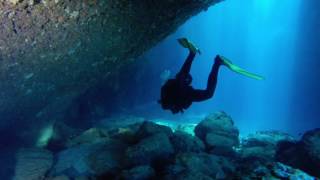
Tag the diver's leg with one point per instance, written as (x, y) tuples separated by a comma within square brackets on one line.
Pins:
[(198, 95), (185, 69), (201, 95)]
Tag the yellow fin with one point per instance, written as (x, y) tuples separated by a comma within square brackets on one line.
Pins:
[(239, 70), (184, 42)]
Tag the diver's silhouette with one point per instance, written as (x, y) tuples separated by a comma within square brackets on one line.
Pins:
[(177, 94)]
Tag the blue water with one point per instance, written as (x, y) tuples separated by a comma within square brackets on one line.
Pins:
[(276, 39)]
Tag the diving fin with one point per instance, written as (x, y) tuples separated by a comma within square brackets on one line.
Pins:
[(184, 42), (239, 70)]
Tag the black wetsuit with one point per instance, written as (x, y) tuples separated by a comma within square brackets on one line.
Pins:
[(177, 94)]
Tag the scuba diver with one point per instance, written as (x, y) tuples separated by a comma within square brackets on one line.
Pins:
[(177, 94)]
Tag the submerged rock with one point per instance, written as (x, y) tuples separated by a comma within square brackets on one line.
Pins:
[(32, 164), (90, 159), (187, 175), (263, 145), (120, 121), (311, 145), (184, 142), (150, 151), (303, 154), (274, 170), (286, 172), (153, 149), (208, 165), (218, 133), (149, 128), (63, 177), (126, 134), (90, 136), (138, 173)]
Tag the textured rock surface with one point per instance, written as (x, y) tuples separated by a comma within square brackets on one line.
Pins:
[(218, 133), (157, 156), (53, 51), (149, 128), (275, 171), (32, 164), (304, 154), (184, 142), (311, 145), (263, 145), (138, 173), (206, 164), (150, 150), (90, 159), (92, 135)]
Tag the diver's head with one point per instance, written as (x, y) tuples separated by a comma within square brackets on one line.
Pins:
[(186, 79)]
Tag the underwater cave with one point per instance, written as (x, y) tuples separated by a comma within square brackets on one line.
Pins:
[(84, 89)]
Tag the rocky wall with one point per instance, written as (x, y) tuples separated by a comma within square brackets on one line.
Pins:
[(52, 51)]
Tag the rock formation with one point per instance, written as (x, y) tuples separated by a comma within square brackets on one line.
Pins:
[(51, 52), (155, 152)]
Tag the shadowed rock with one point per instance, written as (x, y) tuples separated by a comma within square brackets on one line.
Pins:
[(218, 133), (304, 154), (97, 158), (263, 145), (138, 173), (206, 164), (150, 150), (32, 164), (51, 52), (184, 142)]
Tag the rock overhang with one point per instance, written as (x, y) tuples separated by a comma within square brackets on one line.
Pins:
[(53, 51)]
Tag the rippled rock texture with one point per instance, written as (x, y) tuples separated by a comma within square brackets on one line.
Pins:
[(51, 52)]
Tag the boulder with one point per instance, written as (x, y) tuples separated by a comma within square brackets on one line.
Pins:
[(311, 145), (109, 159), (179, 172), (90, 136), (303, 154), (149, 128), (138, 173), (32, 164), (289, 153), (62, 177), (187, 175), (218, 133), (120, 121), (272, 170), (264, 138), (153, 149), (173, 170), (282, 171), (126, 134), (263, 145), (209, 165), (90, 159), (184, 142)]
